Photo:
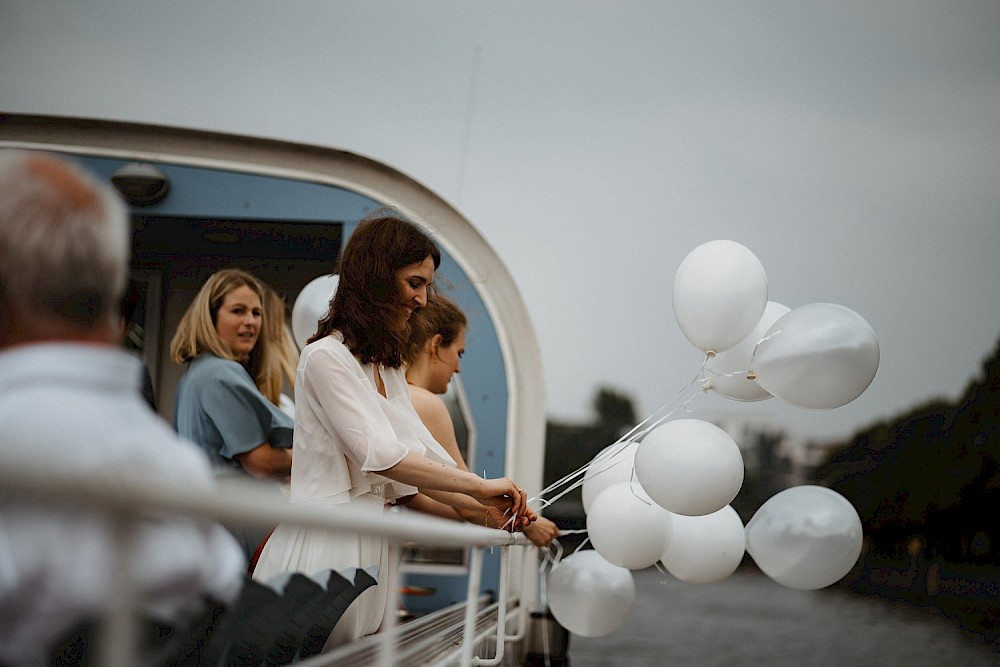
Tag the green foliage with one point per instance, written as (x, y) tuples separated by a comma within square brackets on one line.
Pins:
[(615, 412), (934, 471), (766, 477), (569, 447)]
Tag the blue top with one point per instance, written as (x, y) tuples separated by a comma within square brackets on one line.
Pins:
[(220, 408)]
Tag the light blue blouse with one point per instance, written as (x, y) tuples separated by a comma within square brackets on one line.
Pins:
[(220, 408)]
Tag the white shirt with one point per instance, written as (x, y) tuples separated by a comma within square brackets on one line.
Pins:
[(346, 432), (78, 408)]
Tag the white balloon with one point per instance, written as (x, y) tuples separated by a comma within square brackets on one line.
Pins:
[(612, 464), (689, 466), (311, 305), (626, 527), (705, 549), (805, 537), (818, 356), (720, 291), (589, 596), (736, 362)]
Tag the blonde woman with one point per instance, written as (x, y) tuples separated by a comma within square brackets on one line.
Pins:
[(219, 405)]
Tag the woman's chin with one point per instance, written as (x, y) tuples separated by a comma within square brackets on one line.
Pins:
[(400, 324)]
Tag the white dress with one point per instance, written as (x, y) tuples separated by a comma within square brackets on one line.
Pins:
[(345, 433)]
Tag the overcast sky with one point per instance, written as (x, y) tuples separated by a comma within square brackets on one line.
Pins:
[(853, 147)]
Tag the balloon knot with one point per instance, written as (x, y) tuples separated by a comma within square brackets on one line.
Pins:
[(751, 375), (710, 354)]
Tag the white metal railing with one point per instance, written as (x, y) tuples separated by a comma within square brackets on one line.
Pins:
[(129, 497), (447, 637)]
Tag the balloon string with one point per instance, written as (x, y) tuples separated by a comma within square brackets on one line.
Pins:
[(730, 374), (631, 487), (753, 355), (551, 556), (574, 479), (623, 440), (678, 403)]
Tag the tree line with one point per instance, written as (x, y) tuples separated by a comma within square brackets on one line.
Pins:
[(933, 472)]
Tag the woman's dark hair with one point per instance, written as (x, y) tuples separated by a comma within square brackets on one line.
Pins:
[(366, 305)]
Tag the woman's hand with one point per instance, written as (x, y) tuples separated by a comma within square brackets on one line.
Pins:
[(267, 462), (504, 494), (541, 532), (491, 517)]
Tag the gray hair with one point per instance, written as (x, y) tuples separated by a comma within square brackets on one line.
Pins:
[(64, 240)]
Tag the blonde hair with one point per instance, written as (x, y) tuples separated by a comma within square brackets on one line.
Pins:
[(283, 354), (196, 333)]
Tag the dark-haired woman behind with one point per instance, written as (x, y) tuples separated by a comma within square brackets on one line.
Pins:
[(434, 354)]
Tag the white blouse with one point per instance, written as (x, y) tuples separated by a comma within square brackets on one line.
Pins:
[(346, 431)]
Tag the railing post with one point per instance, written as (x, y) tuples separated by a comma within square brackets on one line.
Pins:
[(471, 595), (501, 612), (528, 569), (387, 648), (119, 629)]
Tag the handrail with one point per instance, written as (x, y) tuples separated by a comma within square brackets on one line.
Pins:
[(250, 502), (244, 501)]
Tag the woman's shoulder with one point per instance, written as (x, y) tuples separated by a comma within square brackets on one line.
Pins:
[(208, 362), (425, 401), (332, 343), (207, 367), (328, 350)]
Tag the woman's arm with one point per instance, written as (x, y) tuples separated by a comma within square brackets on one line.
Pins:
[(457, 507), (332, 377), (427, 505), (267, 462), (419, 471), (221, 408), (434, 414), (468, 509)]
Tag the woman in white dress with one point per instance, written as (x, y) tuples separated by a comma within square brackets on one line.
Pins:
[(357, 437)]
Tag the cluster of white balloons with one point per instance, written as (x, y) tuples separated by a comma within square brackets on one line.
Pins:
[(820, 355), (665, 501), (665, 498)]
